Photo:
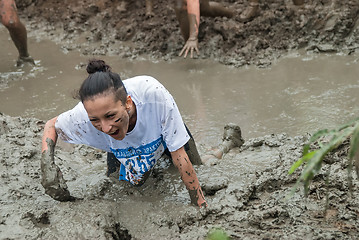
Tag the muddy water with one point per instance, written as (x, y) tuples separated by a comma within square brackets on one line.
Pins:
[(300, 93)]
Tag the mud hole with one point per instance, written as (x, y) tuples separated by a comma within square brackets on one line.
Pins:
[(245, 190)]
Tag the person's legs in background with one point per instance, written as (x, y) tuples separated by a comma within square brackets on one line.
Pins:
[(10, 19)]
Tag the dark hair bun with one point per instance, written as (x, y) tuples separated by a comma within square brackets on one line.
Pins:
[(96, 65)]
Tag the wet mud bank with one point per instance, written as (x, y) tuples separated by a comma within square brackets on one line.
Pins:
[(100, 28), (245, 192)]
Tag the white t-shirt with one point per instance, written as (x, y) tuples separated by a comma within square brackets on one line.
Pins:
[(159, 126)]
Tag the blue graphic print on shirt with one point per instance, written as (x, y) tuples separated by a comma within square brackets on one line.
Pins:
[(135, 162)]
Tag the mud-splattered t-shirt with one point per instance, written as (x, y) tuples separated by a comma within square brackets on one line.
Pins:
[(159, 126)]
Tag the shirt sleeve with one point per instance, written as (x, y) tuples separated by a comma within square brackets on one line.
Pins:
[(174, 131), (75, 127), (67, 125)]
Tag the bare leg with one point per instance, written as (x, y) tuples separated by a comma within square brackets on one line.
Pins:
[(298, 2), (232, 137), (214, 9), (17, 30), (250, 12), (182, 17)]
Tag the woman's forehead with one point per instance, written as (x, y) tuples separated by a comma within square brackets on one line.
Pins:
[(102, 104)]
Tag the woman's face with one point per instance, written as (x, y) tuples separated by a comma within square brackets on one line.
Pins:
[(109, 116)]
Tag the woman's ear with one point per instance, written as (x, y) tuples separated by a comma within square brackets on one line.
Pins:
[(128, 103)]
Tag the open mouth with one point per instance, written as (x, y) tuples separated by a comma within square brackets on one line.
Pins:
[(115, 133)]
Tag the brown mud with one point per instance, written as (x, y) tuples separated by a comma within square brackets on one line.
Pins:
[(245, 191), (98, 27)]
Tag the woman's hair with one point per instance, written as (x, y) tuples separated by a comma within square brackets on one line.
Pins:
[(101, 81)]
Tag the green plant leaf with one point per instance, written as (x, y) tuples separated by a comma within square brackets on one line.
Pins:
[(351, 123), (353, 154), (298, 163), (318, 134), (354, 143), (313, 160)]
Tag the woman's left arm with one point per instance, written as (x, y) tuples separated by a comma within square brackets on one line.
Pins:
[(189, 177)]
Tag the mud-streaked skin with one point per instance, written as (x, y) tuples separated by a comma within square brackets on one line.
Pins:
[(52, 179), (189, 177)]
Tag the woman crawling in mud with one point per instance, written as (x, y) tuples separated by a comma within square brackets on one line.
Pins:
[(135, 121)]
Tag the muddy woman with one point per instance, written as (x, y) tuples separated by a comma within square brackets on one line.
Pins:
[(136, 121)]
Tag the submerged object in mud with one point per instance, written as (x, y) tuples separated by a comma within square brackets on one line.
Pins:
[(232, 137)]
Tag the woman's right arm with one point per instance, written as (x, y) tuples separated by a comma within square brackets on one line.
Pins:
[(49, 133), (52, 179)]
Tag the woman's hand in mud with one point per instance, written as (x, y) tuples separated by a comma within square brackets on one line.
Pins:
[(189, 177), (191, 45), (197, 198), (202, 203), (52, 179)]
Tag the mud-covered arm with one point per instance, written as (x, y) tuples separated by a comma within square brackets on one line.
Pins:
[(52, 179), (193, 10), (189, 176), (49, 133)]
